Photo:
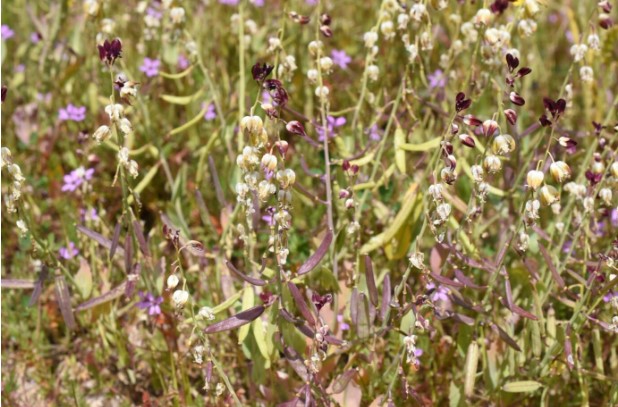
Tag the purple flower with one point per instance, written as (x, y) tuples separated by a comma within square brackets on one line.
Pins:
[(7, 32), (20, 68), (183, 62), (91, 214), (311, 2), (229, 2), (340, 58), (154, 13), (211, 113), (437, 79), (72, 113), (76, 178), (440, 294), (608, 297), (35, 37), (150, 302), (68, 252), (332, 124), (342, 324), (374, 133), (258, 3), (150, 67)]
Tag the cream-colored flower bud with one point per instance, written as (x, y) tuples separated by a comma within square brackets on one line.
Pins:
[(503, 144), (560, 171), (492, 164), (402, 21), (269, 161), (548, 195), (370, 38), (114, 111), (443, 211), (418, 11), (315, 47), (435, 190), (532, 7), (322, 92), (265, 190), (101, 134), (206, 313), (614, 169), (373, 72), (388, 29), (172, 281), (326, 64), (177, 15), (587, 74), (312, 75), (477, 173), (606, 196), (5, 157), (180, 298), (251, 125), (598, 167), (535, 179), (483, 16), (417, 260), (286, 178)]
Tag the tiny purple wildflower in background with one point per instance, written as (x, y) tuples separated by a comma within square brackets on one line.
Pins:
[(311, 2), (333, 123), (91, 214), (150, 302), (437, 79), (374, 133), (150, 67), (229, 2), (440, 294), (72, 113), (154, 13), (258, 3), (35, 37), (20, 68), (68, 252), (342, 324), (76, 178), (183, 62), (340, 58), (7, 32), (211, 113), (608, 297)]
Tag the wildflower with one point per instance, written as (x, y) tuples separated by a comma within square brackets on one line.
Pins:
[(535, 179), (315, 47), (372, 72), (286, 177), (68, 252), (492, 164), (150, 303), (343, 326), (340, 58), (177, 15), (150, 67), (206, 313), (7, 32), (374, 133), (322, 92), (72, 113), (587, 74), (578, 51), (251, 125), (370, 38), (326, 64), (560, 171), (503, 144), (331, 124), (183, 62), (76, 178), (606, 196), (128, 90), (261, 71), (172, 281), (483, 16), (511, 116), (110, 51), (437, 79), (517, 99), (21, 227), (418, 11), (548, 195), (531, 212), (443, 211), (211, 113), (180, 298), (114, 111)]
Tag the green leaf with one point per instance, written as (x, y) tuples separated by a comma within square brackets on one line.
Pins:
[(248, 301), (183, 100), (83, 278), (191, 122), (524, 386), (400, 154), (259, 333), (422, 147), (227, 303)]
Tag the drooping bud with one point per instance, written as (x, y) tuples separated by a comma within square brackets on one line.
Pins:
[(489, 127), (517, 99), (535, 179), (172, 281), (471, 120), (511, 116), (503, 144), (548, 195), (492, 164), (560, 171)]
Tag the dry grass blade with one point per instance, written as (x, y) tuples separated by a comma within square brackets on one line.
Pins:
[(111, 295)]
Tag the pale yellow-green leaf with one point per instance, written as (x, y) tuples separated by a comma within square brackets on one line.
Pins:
[(228, 303), (524, 386), (409, 201), (83, 278), (183, 100), (248, 301), (422, 147), (178, 75), (259, 333), (191, 122), (400, 155)]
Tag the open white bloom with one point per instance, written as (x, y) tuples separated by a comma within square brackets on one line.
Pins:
[(370, 38), (114, 111), (172, 281), (177, 15), (21, 227), (417, 260), (578, 51), (587, 74)]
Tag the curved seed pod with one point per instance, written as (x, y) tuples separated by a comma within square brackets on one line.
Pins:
[(371, 282), (386, 296), (463, 319), (472, 360), (509, 293), (300, 303), (467, 281), (141, 240), (446, 281), (235, 321), (63, 297), (342, 381), (242, 276), (115, 238), (316, 257), (505, 337)]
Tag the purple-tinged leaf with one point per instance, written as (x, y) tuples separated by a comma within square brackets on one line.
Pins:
[(141, 240), (552, 268), (128, 258), (97, 237), (208, 371), (296, 362), (466, 280), (115, 239), (63, 297), (316, 257), (371, 282), (522, 312), (236, 321), (111, 295), (301, 304), (354, 306), (291, 403), (463, 319), (386, 296), (38, 286), (17, 283), (505, 337), (531, 267), (446, 281), (507, 289), (305, 330), (342, 381), (462, 302), (242, 276), (332, 340), (285, 314)]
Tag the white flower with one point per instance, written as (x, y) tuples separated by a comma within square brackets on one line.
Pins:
[(315, 47), (177, 15), (388, 29), (123, 156), (578, 51), (114, 111), (322, 92), (594, 42), (101, 134), (443, 211), (206, 313), (483, 17), (125, 126), (417, 260), (370, 38), (180, 298), (373, 72), (172, 281), (417, 11), (21, 226), (587, 74), (312, 74), (326, 64)]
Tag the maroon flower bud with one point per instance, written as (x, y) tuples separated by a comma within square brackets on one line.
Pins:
[(556, 108), (450, 161), (321, 300), (110, 51), (605, 21), (345, 165), (461, 103), (277, 91), (325, 19), (499, 6), (326, 31), (354, 169), (594, 177), (4, 91), (511, 116), (598, 127), (261, 71), (297, 18), (523, 71), (344, 194), (568, 143), (489, 127), (471, 120), (606, 6), (517, 99), (467, 141), (512, 62), (295, 127), (447, 148), (282, 146), (544, 121), (454, 128), (267, 297)]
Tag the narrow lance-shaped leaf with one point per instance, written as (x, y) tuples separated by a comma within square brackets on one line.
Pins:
[(107, 297), (316, 257), (300, 303), (552, 267), (63, 297), (522, 312), (242, 276), (236, 321), (97, 237), (38, 286), (371, 282), (446, 281), (115, 238), (386, 296), (141, 240), (466, 280)]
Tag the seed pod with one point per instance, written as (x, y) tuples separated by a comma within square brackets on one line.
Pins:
[(472, 359)]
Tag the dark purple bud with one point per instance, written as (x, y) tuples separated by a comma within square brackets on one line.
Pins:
[(598, 127), (345, 165), (4, 91), (606, 6), (447, 148), (261, 71), (544, 121), (605, 22), (511, 116), (283, 147), (593, 177), (344, 194), (499, 6), (512, 62), (321, 300), (523, 71), (325, 19), (460, 97), (461, 103), (295, 127), (471, 120), (267, 298), (454, 128), (326, 31), (517, 99), (110, 51), (467, 141), (354, 169)]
